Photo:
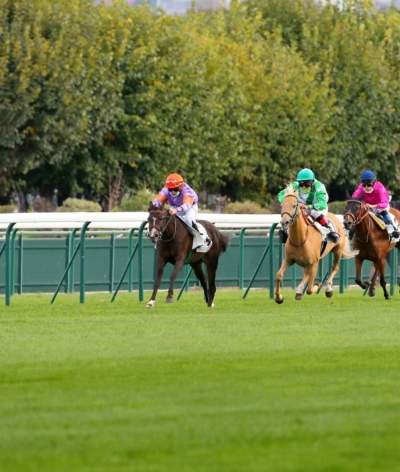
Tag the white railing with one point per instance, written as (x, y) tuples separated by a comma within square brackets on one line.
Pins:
[(126, 220)]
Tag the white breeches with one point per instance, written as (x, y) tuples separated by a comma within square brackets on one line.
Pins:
[(191, 215), (316, 213)]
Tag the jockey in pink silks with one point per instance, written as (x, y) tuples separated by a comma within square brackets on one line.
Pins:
[(376, 197)]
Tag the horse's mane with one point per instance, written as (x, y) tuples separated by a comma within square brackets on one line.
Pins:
[(290, 190)]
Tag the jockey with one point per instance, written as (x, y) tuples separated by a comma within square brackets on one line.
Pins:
[(181, 198), (313, 198), (376, 198)]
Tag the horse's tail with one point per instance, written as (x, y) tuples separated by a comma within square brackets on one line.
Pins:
[(348, 253), (225, 241)]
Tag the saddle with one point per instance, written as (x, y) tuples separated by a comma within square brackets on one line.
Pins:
[(201, 241)]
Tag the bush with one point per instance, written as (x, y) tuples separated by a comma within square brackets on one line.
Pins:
[(8, 209), (76, 204), (247, 207), (337, 208), (137, 202)]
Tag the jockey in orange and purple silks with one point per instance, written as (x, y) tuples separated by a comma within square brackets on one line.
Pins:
[(181, 198), (376, 197)]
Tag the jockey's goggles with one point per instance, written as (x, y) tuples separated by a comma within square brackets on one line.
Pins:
[(305, 183), (176, 189), (367, 183)]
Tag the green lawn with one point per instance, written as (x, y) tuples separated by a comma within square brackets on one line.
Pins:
[(247, 386)]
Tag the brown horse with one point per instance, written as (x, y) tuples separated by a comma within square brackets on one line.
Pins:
[(372, 242), (304, 247), (174, 245)]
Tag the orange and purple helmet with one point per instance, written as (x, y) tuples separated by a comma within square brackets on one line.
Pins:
[(174, 181)]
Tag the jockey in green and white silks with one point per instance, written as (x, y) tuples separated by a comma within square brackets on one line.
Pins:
[(313, 198)]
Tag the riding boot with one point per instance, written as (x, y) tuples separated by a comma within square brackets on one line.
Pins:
[(283, 235), (393, 232), (332, 235)]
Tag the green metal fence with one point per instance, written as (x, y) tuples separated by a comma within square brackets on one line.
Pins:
[(108, 261)]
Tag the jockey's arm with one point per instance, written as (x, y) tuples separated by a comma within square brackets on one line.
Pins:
[(187, 203), (160, 198)]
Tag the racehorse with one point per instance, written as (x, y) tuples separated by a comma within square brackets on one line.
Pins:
[(372, 242), (174, 245), (304, 247)]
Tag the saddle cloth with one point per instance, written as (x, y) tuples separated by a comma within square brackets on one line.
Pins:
[(201, 241), (381, 223)]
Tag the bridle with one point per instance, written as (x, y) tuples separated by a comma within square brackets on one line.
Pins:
[(294, 217), (165, 218), (357, 218), (296, 213)]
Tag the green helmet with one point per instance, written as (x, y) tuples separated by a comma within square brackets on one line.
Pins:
[(305, 174)]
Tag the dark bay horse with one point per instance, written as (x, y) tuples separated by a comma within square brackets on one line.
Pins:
[(303, 247), (372, 242), (174, 245)]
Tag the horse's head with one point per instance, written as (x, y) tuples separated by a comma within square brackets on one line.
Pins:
[(354, 212), (158, 220), (290, 209)]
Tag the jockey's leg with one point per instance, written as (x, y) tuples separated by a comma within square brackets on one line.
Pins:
[(191, 217), (321, 219), (390, 223)]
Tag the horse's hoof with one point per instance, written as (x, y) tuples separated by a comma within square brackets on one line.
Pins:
[(329, 294), (299, 296), (371, 293), (211, 306), (151, 304), (169, 300), (279, 301)]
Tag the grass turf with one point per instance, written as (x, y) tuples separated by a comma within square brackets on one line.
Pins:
[(247, 386)]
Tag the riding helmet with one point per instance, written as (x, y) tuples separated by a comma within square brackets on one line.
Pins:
[(305, 174), (367, 175), (174, 181)]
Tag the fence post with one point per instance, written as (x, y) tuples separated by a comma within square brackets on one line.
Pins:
[(241, 258), (8, 263), (82, 280), (271, 261)]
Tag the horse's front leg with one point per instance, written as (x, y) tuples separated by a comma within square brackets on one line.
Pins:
[(358, 262), (160, 270), (178, 267), (302, 284), (311, 288), (279, 276)]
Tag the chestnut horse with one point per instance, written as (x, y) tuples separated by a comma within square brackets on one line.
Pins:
[(174, 245), (304, 246), (372, 242)]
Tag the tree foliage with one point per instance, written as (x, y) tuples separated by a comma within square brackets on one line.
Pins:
[(111, 99)]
